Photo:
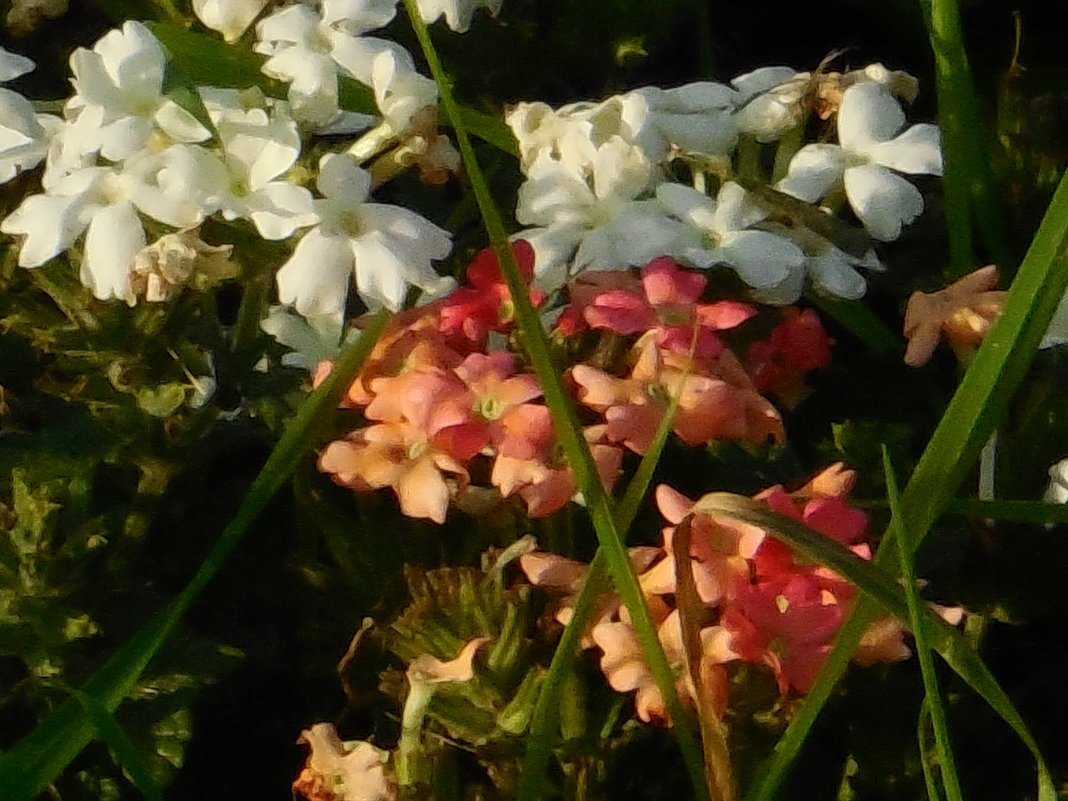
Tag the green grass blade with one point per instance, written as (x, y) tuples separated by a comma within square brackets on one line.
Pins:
[(884, 591), (975, 410), (126, 753), (566, 423), (927, 763), (544, 720), (37, 759), (933, 698), (968, 180)]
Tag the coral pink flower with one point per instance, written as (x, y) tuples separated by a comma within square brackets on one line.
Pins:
[(400, 456), (469, 313), (543, 478), (787, 623), (720, 550), (963, 312), (709, 407), (796, 346), (499, 400), (668, 304), (422, 438), (626, 670)]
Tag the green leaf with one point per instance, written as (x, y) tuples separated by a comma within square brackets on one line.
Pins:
[(968, 179), (932, 695), (36, 760), (975, 410), (860, 321), (126, 753)]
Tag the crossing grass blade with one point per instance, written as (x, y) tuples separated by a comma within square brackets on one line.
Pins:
[(947, 767), (36, 760), (125, 751), (882, 590), (543, 722), (979, 404), (566, 424)]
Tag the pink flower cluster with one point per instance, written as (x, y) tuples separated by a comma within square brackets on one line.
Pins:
[(438, 403), (761, 604)]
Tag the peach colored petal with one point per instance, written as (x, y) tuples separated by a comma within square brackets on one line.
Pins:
[(342, 771), (422, 491), (430, 670), (555, 572)]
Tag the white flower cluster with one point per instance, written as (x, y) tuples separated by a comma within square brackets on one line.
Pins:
[(600, 190), (126, 161)]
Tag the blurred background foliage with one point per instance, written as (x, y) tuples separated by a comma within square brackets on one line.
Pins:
[(128, 436)]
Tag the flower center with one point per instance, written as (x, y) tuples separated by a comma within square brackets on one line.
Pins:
[(489, 407)]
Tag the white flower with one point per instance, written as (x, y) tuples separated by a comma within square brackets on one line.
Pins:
[(400, 91), (258, 148), (307, 49), (720, 236), (12, 65), (457, 13), (572, 134), (231, 18), (1057, 491), (831, 270), (24, 134), (869, 120), (119, 92), (386, 248), (103, 203), (695, 118), (599, 217), (768, 101)]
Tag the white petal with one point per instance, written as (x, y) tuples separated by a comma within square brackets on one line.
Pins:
[(763, 260), (553, 248), (918, 151), (735, 209), (381, 277), (833, 272), (179, 124), (785, 293), (760, 80), (229, 17), (620, 171), (316, 278), (356, 54), (882, 200), (553, 196), (358, 16), (868, 114), (280, 208), (291, 25), (813, 171), (341, 178), (687, 204), (410, 235), (114, 238), (760, 260), (12, 65), (50, 224)]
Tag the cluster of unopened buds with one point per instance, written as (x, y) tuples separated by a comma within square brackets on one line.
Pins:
[(436, 399)]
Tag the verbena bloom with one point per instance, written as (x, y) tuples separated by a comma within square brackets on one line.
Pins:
[(231, 18), (339, 770), (872, 149), (796, 346), (963, 312), (457, 13), (599, 220), (1057, 490), (384, 248), (258, 146), (24, 134), (309, 49), (119, 97), (720, 232)]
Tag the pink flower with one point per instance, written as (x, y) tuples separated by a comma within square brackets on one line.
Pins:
[(795, 347), (469, 313), (668, 304), (963, 312)]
